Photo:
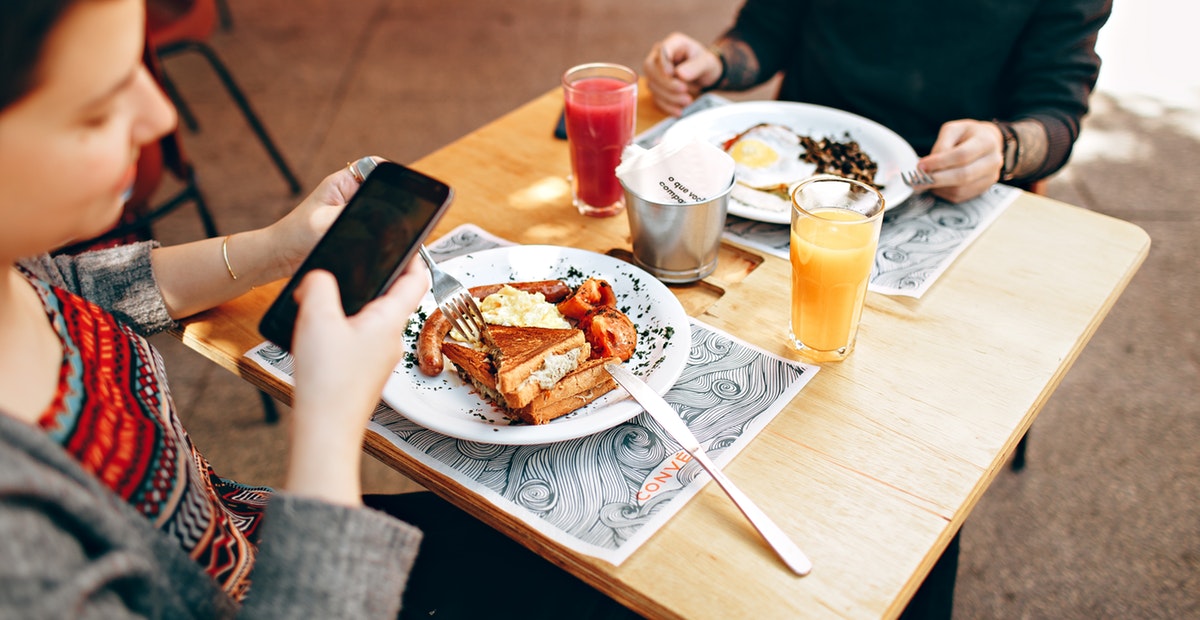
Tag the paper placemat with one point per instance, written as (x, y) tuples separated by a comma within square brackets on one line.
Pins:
[(919, 239), (651, 137), (637, 477)]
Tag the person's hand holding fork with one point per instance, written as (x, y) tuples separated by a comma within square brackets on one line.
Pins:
[(965, 160)]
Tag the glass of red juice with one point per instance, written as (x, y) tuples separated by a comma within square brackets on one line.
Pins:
[(600, 101)]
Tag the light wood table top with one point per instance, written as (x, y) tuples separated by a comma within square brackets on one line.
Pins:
[(875, 466)]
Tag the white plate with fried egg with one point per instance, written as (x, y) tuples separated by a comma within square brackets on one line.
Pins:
[(767, 156), (448, 405)]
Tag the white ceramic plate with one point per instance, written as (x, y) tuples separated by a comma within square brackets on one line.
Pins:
[(888, 149), (447, 405)]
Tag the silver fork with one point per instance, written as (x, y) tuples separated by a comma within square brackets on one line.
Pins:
[(455, 301), (915, 177)]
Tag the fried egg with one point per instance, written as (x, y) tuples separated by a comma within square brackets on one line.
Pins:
[(768, 156)]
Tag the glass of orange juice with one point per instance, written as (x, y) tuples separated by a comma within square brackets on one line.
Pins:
[(835, 230)]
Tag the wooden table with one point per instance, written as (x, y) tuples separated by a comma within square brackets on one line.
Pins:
[(878, 462)]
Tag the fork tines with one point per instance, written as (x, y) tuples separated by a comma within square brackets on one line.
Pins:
[(465, 317), (915, 177)]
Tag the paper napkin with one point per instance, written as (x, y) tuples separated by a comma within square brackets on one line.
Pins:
[(683, 172)]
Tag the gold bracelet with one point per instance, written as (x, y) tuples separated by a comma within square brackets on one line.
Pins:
[(225, 254)]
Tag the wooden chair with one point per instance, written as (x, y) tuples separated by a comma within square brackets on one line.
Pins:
[(223, 14), (156, 160), (177, 26)]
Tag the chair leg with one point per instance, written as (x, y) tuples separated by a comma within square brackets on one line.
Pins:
[(1018, 459), (206, 218), (270, 412), (223, 15), (181, 106), (235, 92), (934, 600)]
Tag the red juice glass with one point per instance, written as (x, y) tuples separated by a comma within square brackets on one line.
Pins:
[(600, 100)]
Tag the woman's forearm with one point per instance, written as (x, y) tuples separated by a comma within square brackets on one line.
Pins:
[(325, 457), (196, 276)]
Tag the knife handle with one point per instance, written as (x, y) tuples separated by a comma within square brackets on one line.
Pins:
[(779, 541)]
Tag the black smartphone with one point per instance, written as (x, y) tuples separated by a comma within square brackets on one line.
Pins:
[(560, 129), (369, 243)]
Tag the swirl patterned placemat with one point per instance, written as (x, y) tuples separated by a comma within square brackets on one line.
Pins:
[(605, 494), (919, 240)]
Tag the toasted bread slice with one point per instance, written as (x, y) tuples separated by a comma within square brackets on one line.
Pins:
[(473, 362), (475, 367), (576, 389), (587, 383), (530, 360)]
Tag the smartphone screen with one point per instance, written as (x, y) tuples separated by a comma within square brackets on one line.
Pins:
[(367, 246)]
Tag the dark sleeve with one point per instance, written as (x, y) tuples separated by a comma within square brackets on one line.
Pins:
[(769, 28), (1053, 71), (319, 560), (118, 279)]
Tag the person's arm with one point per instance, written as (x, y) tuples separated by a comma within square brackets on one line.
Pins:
[(1047, 84), (342, 364), (321, 560), (118, 279), (1049, 81), (761, 42), (679, 68), (199, 275), (321, 553), (72, 550)]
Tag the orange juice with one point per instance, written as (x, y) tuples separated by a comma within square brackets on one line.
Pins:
[(832, 251)]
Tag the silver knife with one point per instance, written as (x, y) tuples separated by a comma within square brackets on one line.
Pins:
[(662, 412)]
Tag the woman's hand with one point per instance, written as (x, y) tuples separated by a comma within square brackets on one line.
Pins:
[(677, 69), (342, 364), (965, 160), (199, 275), (294, 235)]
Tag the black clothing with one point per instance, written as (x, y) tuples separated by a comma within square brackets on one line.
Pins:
[(913, 66)]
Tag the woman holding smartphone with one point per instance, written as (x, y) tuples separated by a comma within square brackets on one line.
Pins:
[(106, 508)]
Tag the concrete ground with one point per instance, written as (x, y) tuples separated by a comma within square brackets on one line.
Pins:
[(1101, 524)]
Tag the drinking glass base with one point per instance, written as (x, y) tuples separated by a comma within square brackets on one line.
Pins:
[(817, 356), (671, 276), (604, 211)]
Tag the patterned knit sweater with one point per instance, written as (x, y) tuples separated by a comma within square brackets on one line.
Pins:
[(111, 446), (113, 413)]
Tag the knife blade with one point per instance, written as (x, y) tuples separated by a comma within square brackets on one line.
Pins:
[(665, 415)]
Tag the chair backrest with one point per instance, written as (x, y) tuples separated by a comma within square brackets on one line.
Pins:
[(171, 21), (171, 153)]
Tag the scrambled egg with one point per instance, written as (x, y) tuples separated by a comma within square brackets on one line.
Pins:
[(510, 306)]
